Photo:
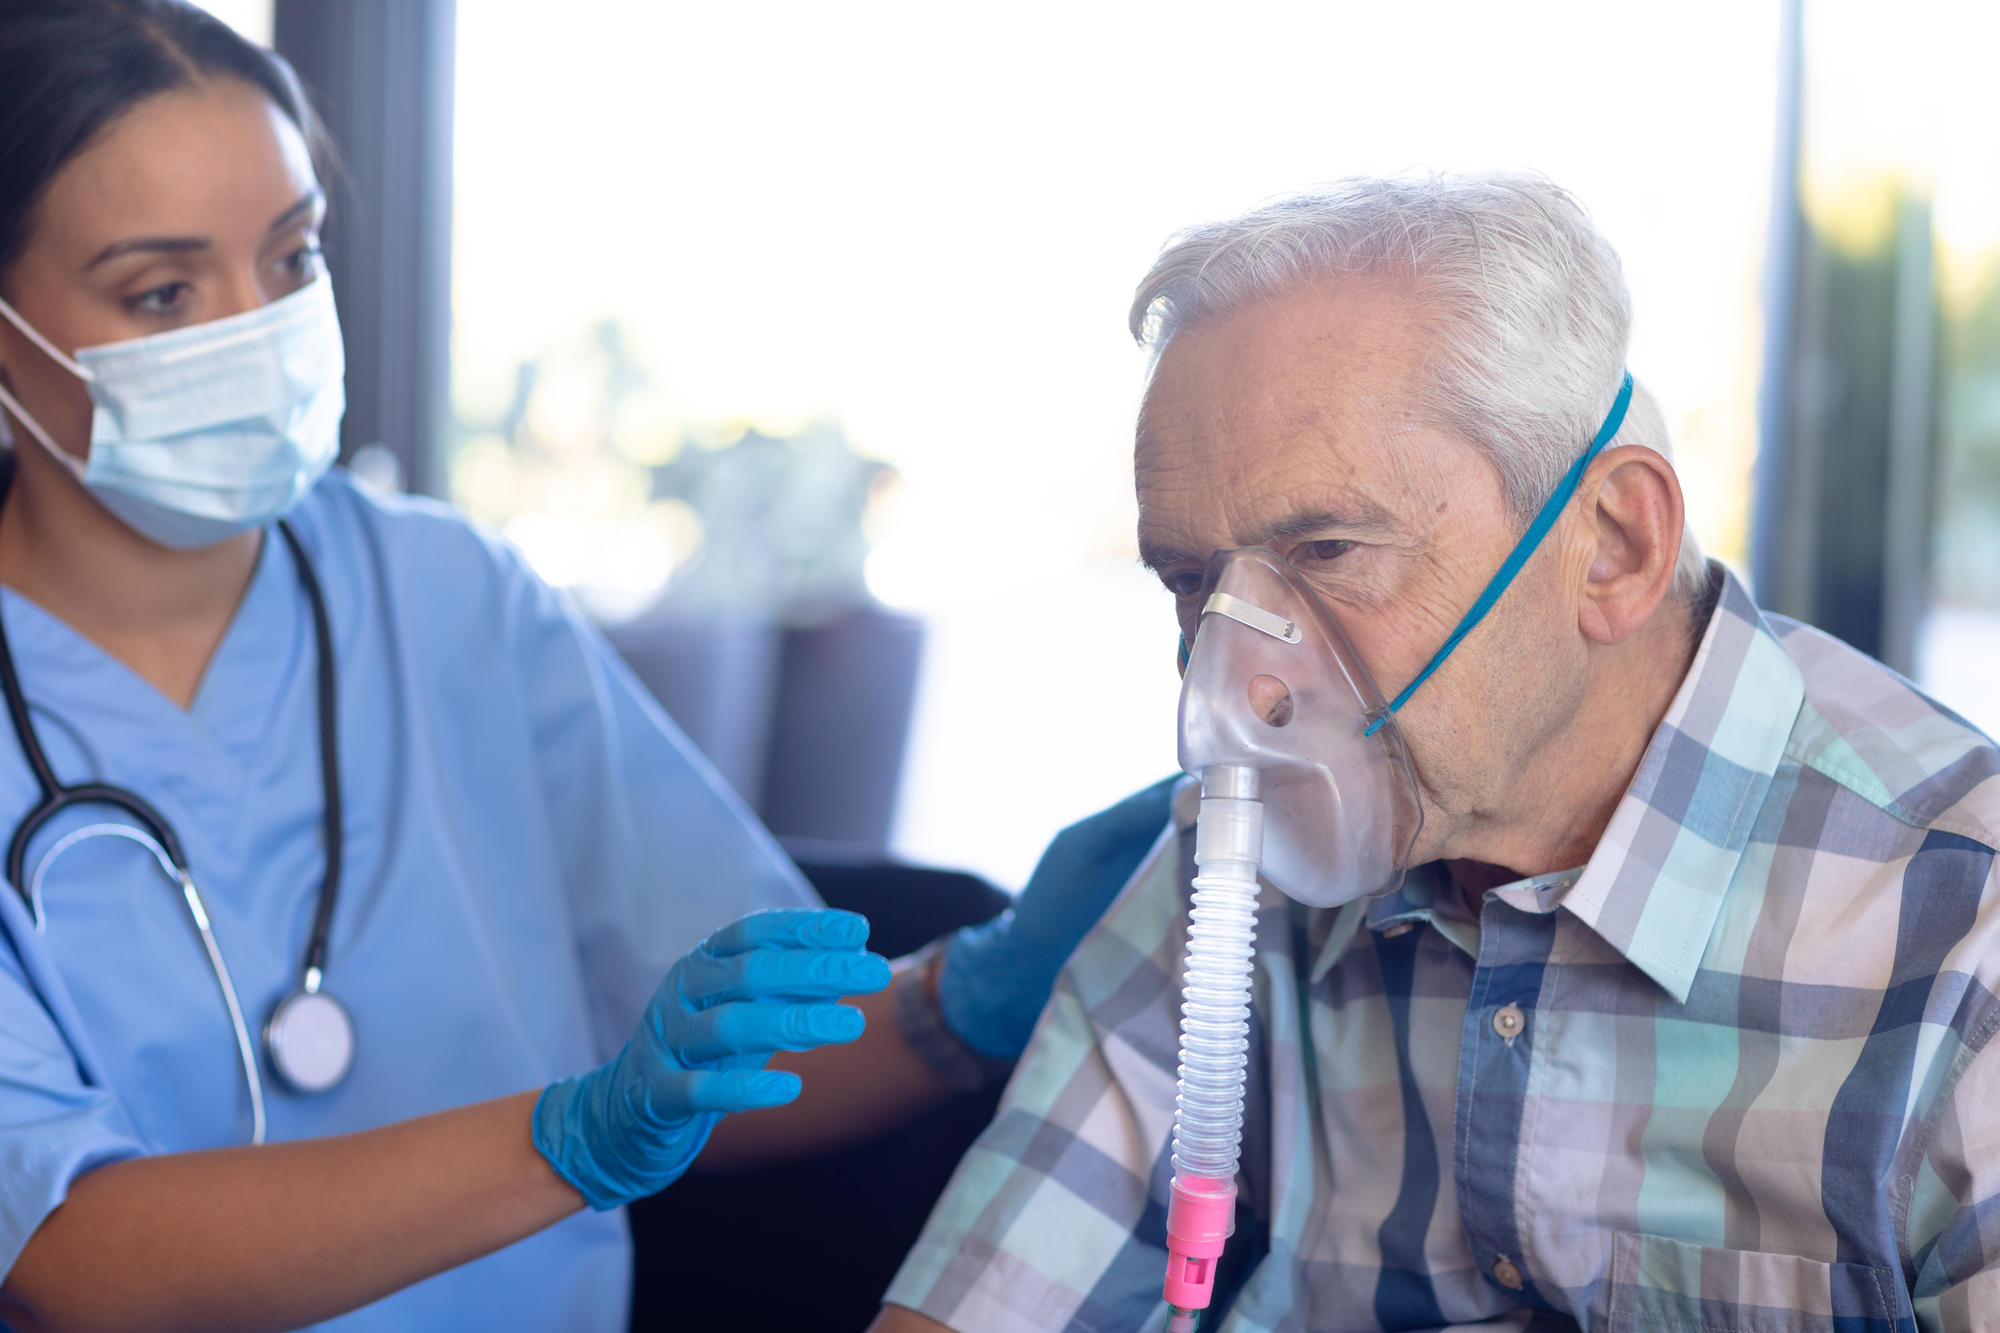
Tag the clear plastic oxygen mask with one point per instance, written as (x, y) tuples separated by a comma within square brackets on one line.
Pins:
[(1304, 777), (1274, 684)]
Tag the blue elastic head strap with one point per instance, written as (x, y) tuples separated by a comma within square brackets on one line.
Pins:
[(1524, 548)]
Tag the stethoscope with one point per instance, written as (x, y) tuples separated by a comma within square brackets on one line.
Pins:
[(309, 1037)]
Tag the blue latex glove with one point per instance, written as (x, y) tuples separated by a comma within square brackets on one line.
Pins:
[(997, 976), (762, 984)]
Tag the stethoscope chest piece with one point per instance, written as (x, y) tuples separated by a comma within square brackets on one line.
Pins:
[(309, 1037), (309, 1040)]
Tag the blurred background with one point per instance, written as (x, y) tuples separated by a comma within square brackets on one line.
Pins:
[(791, 338)]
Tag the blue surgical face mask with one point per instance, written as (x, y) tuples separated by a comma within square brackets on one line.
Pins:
[(207, 431)]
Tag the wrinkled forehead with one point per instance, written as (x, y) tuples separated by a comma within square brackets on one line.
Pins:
[(1310, 405)]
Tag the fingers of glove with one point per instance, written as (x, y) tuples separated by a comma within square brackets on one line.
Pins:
[(739, 1090), (748, 1028), (752, 1060), (789, 928), (781, 974)]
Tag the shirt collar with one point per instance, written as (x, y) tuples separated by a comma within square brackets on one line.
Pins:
[(1428, 897), (1654, 886)]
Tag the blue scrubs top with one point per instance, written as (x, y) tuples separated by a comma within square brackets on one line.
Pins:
[(530, 844)]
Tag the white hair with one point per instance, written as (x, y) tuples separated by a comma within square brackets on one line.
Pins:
[(1530, 316)]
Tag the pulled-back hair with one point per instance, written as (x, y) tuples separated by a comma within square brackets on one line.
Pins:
[(1525, 301), (69, 68)]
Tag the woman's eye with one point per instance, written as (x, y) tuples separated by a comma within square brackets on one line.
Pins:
[(304, 262), (1327, 550), (166, 299)]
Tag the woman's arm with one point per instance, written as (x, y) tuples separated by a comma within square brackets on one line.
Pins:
[(285, 1235), (276, 1237), (289, 1234)]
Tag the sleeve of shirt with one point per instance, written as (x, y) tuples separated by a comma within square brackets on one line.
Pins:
[(1056, 1218), (53, 1125), (1954, 1197), (658, 851)]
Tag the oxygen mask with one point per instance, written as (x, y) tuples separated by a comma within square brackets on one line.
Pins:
[(1304, 776), (1274, 684)]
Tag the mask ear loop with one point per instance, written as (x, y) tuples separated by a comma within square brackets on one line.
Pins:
[(1551, 510), (54, 353), (13, 404), (62, 456)]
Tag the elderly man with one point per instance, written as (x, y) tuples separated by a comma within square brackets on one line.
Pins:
[(1679, 1020)]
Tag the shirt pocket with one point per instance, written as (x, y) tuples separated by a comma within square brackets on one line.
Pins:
[(1669, 1286)]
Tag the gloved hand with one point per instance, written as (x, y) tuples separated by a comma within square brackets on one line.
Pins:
[(760, 985), (997, 976)]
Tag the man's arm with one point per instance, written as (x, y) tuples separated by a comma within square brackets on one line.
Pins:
[(285, 1235), (1954, 1202), (1029, 1231)]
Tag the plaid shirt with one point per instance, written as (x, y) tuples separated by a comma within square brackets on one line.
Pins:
[(1728, 1075)]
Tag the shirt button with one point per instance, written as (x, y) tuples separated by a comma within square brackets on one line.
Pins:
[(1508, 1022), (1506, 1274)]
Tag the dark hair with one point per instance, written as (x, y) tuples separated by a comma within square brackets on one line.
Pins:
[(68, 68)]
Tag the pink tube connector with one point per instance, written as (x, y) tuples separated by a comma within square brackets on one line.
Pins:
[(1200, 1216)]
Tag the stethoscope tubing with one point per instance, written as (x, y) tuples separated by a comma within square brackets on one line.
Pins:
[(329, 760), (157, 834)]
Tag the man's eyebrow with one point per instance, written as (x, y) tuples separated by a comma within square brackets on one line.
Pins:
[(1156, 557), (185, 244), (1364, 520)]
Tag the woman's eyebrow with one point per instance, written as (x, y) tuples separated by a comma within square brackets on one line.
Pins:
[(183, 244), (307, 202), (158, 244)]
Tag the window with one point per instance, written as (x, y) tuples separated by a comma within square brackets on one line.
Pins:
[(924, 223)]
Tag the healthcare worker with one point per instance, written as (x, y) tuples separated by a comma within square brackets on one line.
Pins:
[(344, 862)]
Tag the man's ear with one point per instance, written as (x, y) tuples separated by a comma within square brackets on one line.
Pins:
[(1633, 517)]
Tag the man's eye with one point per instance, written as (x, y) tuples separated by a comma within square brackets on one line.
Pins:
[(1327, 550), (1183, 583)]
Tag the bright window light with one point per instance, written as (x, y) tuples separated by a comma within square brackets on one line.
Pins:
[(927, 220)]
